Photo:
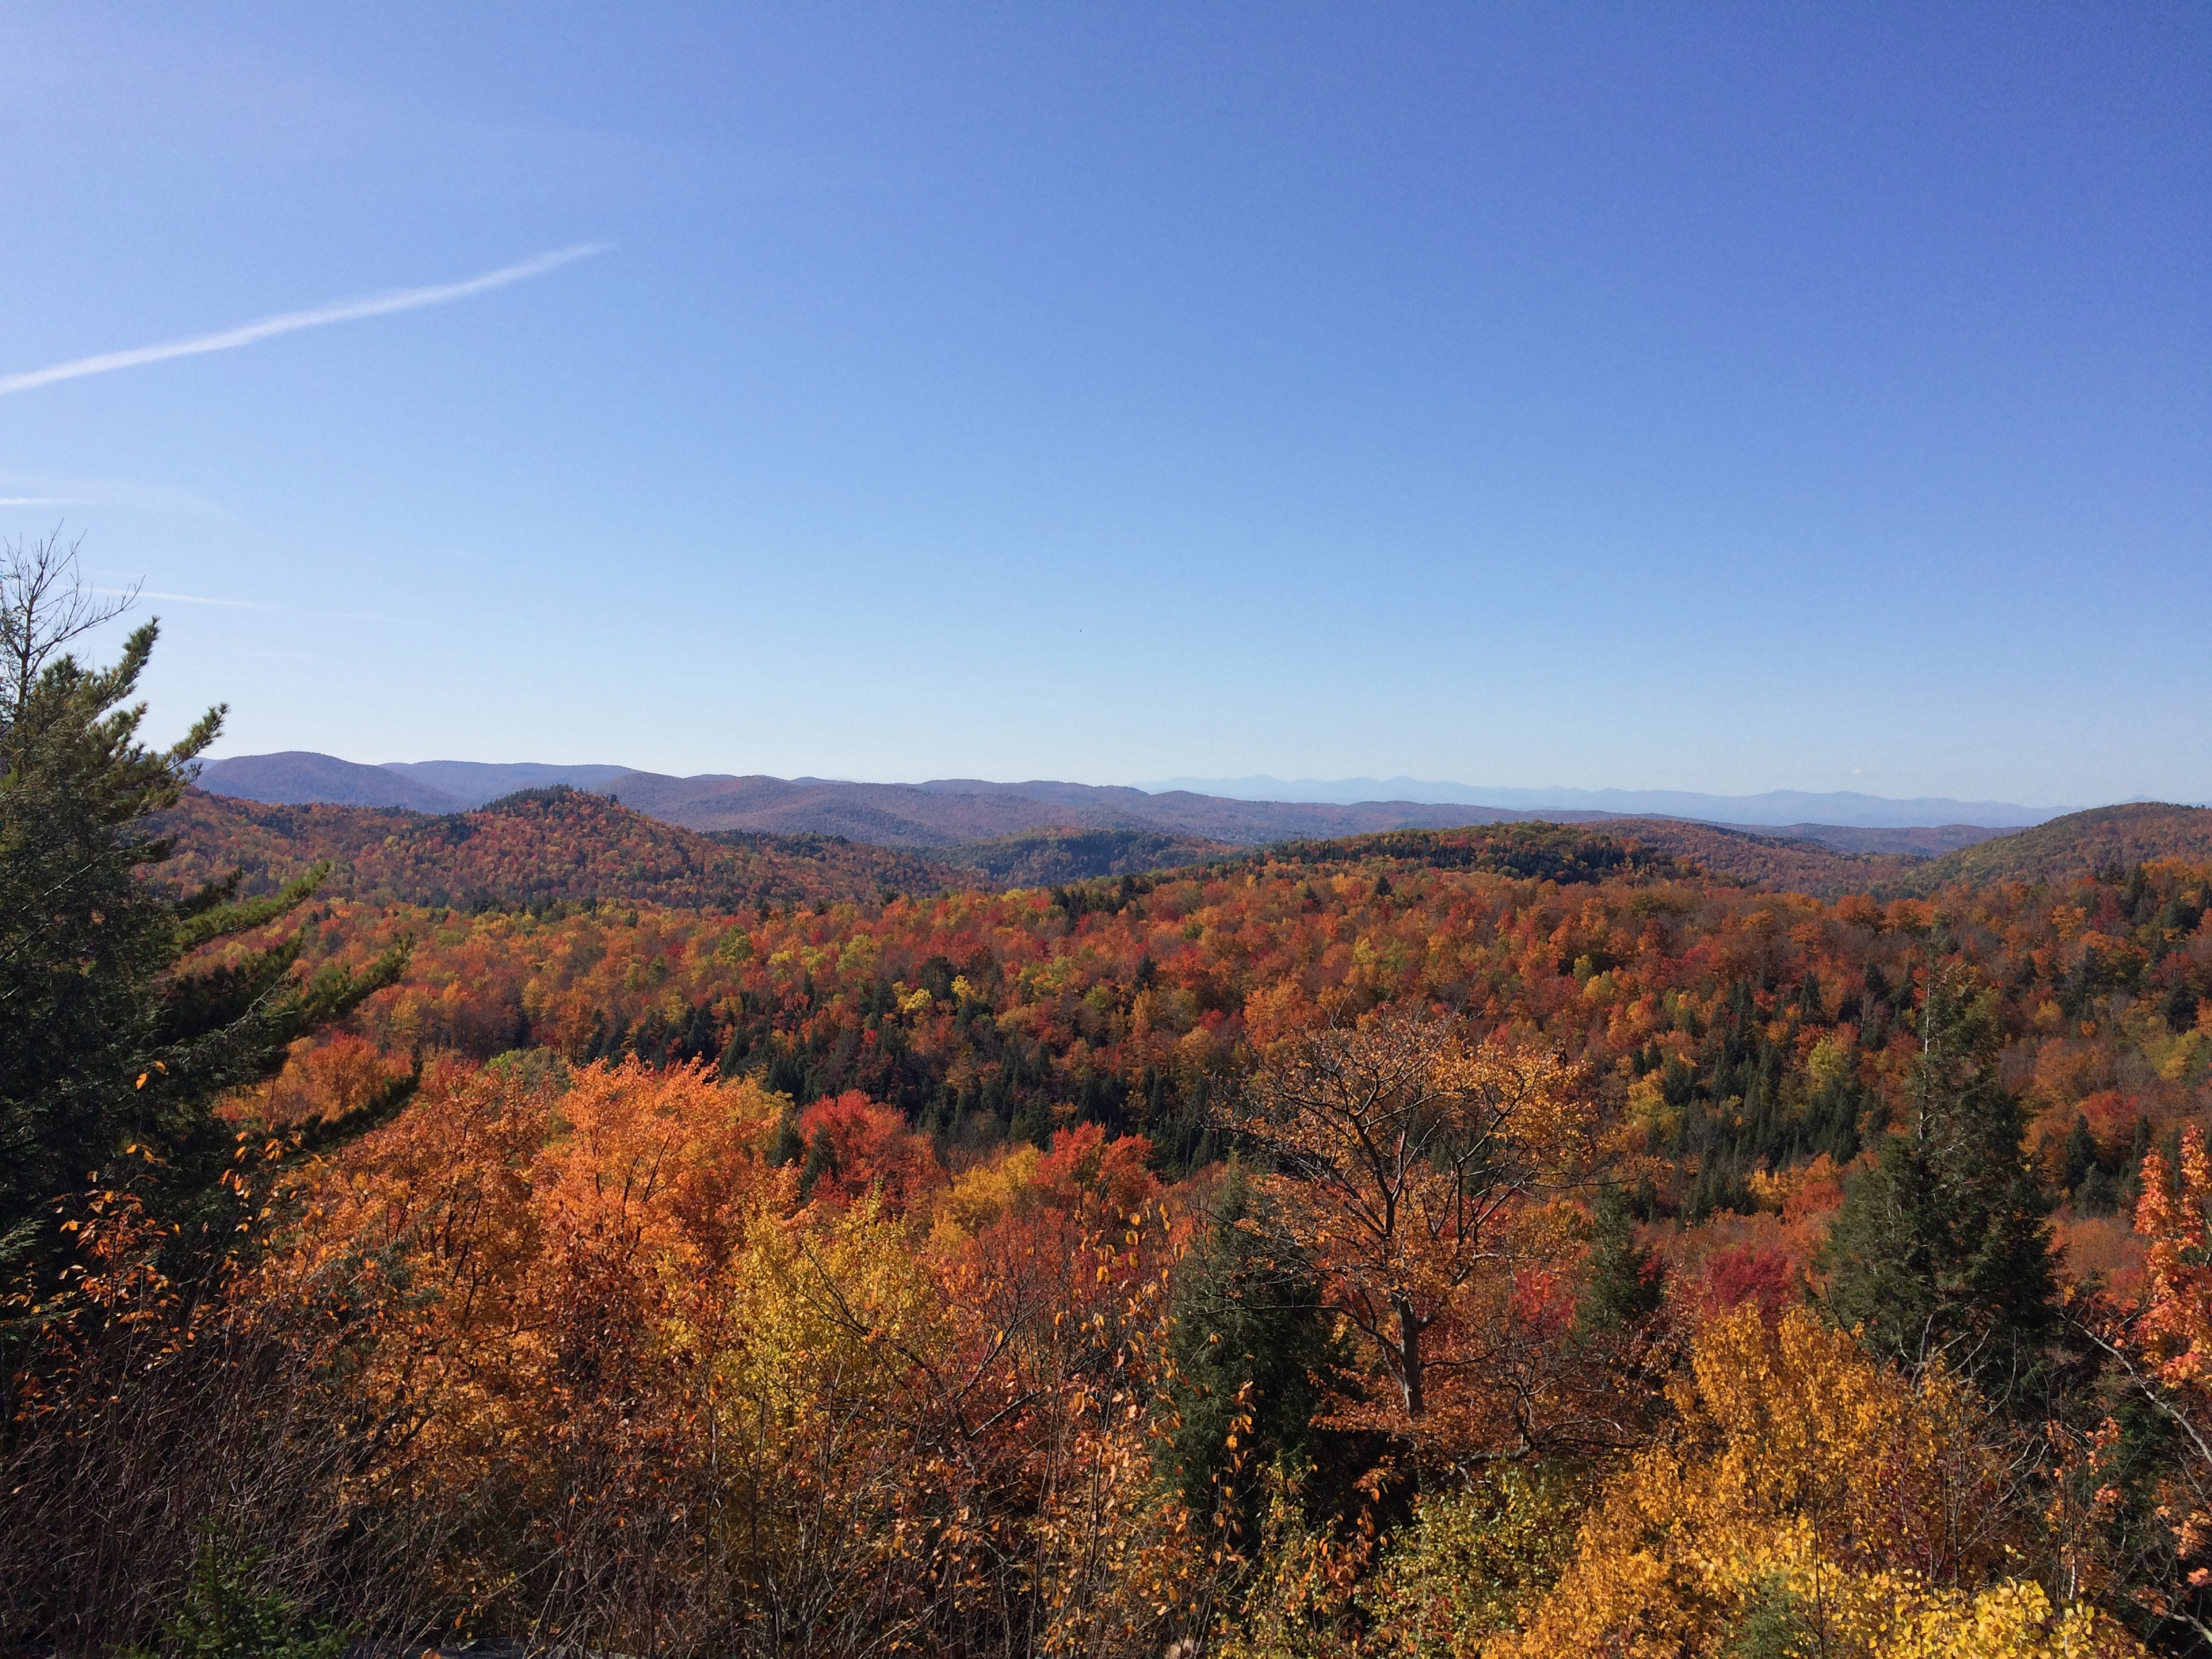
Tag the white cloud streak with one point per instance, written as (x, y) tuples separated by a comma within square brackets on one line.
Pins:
[(343, 311), (195, 598), (243, 605)]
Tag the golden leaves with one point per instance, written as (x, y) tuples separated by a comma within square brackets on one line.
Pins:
[(1817, 1490)]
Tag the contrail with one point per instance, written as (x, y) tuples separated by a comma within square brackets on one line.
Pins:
[(343, 311), (240, 605), (191, 598)]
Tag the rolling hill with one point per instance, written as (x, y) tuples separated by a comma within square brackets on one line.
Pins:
[(473, 783), (541, 847), (299, 777), (953, 812), (1774, 809), (1789, 864), (1928, 840), (1583, 852), (2077, 844), (1043, 858), (945, 813), (545, 846)]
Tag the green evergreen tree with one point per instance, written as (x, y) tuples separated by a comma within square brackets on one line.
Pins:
[(1943, 1247), (2098, 1194), (2127, 1189), (790, 1145), (1032, 1122), (821, 1160), (1248, 1338), (1773, 1625), (2081, 1155), (114, 1037), (226, 1613), (1627, 1283)]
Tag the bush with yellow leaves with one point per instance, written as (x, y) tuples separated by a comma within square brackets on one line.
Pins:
[(1814, 1502)]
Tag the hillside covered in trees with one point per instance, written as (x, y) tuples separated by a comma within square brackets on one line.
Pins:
[(1782, 863), (1753, 1028), (537, 847), (2107, 839), (1106, 831), (1043, 857)]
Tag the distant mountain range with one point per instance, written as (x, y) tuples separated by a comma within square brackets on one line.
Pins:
[(1775, 807), (776, 839), (473, 783), (301, 777), (950, 813)]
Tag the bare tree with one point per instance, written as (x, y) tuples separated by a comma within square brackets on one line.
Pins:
[(44, 604)]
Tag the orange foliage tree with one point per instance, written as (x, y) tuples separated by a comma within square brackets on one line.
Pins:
[(2161, 1353), (1415, 1170), (625, 1385), (856, 1146)]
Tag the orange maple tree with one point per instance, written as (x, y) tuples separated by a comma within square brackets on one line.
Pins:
[(1415, 1167)]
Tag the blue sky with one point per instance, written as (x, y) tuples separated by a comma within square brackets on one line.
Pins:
[(1697, 397)]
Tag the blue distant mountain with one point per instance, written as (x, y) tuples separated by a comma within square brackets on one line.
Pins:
[(298, 776), (1776, 806), (475, 782), (945, 811)]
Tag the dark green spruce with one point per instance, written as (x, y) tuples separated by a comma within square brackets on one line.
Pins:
[(1943, 1247), (1248, 1340), (1627, 1283), (117, 1035)]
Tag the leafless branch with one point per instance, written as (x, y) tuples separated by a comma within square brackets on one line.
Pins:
[(44, 604)]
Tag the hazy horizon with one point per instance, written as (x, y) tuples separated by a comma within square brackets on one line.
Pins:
[(1764, 807)]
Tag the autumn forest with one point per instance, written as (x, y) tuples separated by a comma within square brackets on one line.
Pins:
[(543, 1226)]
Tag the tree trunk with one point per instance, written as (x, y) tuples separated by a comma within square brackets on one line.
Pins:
[(1409, 1355)]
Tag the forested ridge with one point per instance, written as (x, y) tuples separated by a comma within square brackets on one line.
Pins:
[(1516, 1239), (553, 843), (538, 846), (2107, 838)]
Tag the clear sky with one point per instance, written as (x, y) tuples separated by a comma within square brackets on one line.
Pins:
[(1705, 397)]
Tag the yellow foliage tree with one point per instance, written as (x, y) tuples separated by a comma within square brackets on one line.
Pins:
[(1814, 1503)]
